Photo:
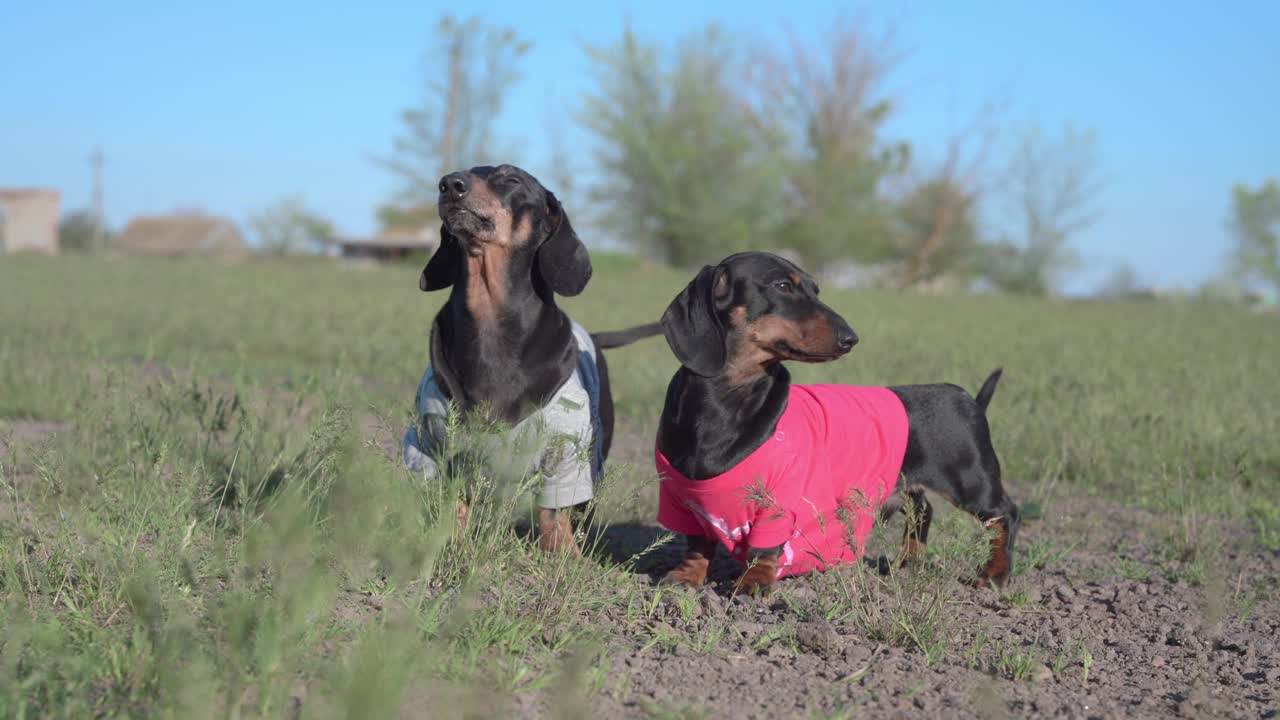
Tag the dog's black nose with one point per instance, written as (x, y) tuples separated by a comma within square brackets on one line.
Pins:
[(455, 185), (846, 338)]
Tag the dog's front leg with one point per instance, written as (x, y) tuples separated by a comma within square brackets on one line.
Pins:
[(463, 512), (462, 470), (692, 570), (762, 571), (555, 531)]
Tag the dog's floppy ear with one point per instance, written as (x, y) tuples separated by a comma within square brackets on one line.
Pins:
[(562, 259), (442, 268), (692, 324)]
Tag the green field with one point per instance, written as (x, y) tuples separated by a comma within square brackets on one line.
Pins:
[(200, 515)]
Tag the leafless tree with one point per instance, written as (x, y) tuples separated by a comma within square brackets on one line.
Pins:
[(938, 215), (1056, 182), (832, 94), (823, 105), (452, 127), (1053, 185)]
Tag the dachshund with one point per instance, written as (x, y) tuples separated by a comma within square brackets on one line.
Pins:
[(789, 477), (502, 349)]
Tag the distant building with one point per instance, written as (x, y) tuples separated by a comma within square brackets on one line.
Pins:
[(384, 247), (29, 220), (181, 236)]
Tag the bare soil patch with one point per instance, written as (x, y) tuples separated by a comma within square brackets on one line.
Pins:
[(1157, 647), (29, 432)]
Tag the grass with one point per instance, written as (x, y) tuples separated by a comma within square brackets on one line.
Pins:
[(1040, 553), (211, 534), (909, 609), (1016, 661)]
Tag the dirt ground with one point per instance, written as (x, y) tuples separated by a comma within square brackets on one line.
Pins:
[(1159, 648), (28, 432)]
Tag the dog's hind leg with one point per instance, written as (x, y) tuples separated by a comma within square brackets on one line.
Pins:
[(978, 493), (918, 515), (1004, 527), (949, 452), (977, 490)]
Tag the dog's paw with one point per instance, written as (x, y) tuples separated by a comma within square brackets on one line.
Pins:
[(988, 580), (758, 580), (913, 553), (753, 589), (690, 573)]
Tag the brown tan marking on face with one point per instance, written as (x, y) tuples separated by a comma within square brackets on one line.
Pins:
[(817, 336), (749, 357), (772, 331), (521, 233), (812, 336), (765, 340)]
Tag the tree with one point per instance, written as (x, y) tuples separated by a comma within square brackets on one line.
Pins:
[(936, 229), (1053, 186), (1121, 282), (79, 232), (682, 175), (1255, 221), (452, 128), (826, 103), (562, 171), (287, 227)]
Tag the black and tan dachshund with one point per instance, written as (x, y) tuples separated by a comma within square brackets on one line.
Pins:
[(731, 329), (500, 343)]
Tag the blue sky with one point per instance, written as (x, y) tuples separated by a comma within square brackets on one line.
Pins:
[(227, 106)]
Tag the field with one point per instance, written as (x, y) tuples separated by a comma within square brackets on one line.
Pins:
[(202, 514)]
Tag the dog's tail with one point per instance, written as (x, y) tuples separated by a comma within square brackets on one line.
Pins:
[(618, 338), (988, 389)]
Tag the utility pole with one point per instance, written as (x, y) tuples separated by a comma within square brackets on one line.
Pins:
[(97, 161)]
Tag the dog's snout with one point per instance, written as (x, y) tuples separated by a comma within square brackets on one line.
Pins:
[(454, 185), (846, 338)]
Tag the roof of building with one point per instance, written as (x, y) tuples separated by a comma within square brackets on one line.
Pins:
[(181, 235), (18, 193), (424, 239), (385, 242)]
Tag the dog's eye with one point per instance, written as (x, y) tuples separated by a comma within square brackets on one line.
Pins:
[(509, 180), (783, 285)]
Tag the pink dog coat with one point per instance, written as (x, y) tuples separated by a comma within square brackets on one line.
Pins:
[(813, 487)]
